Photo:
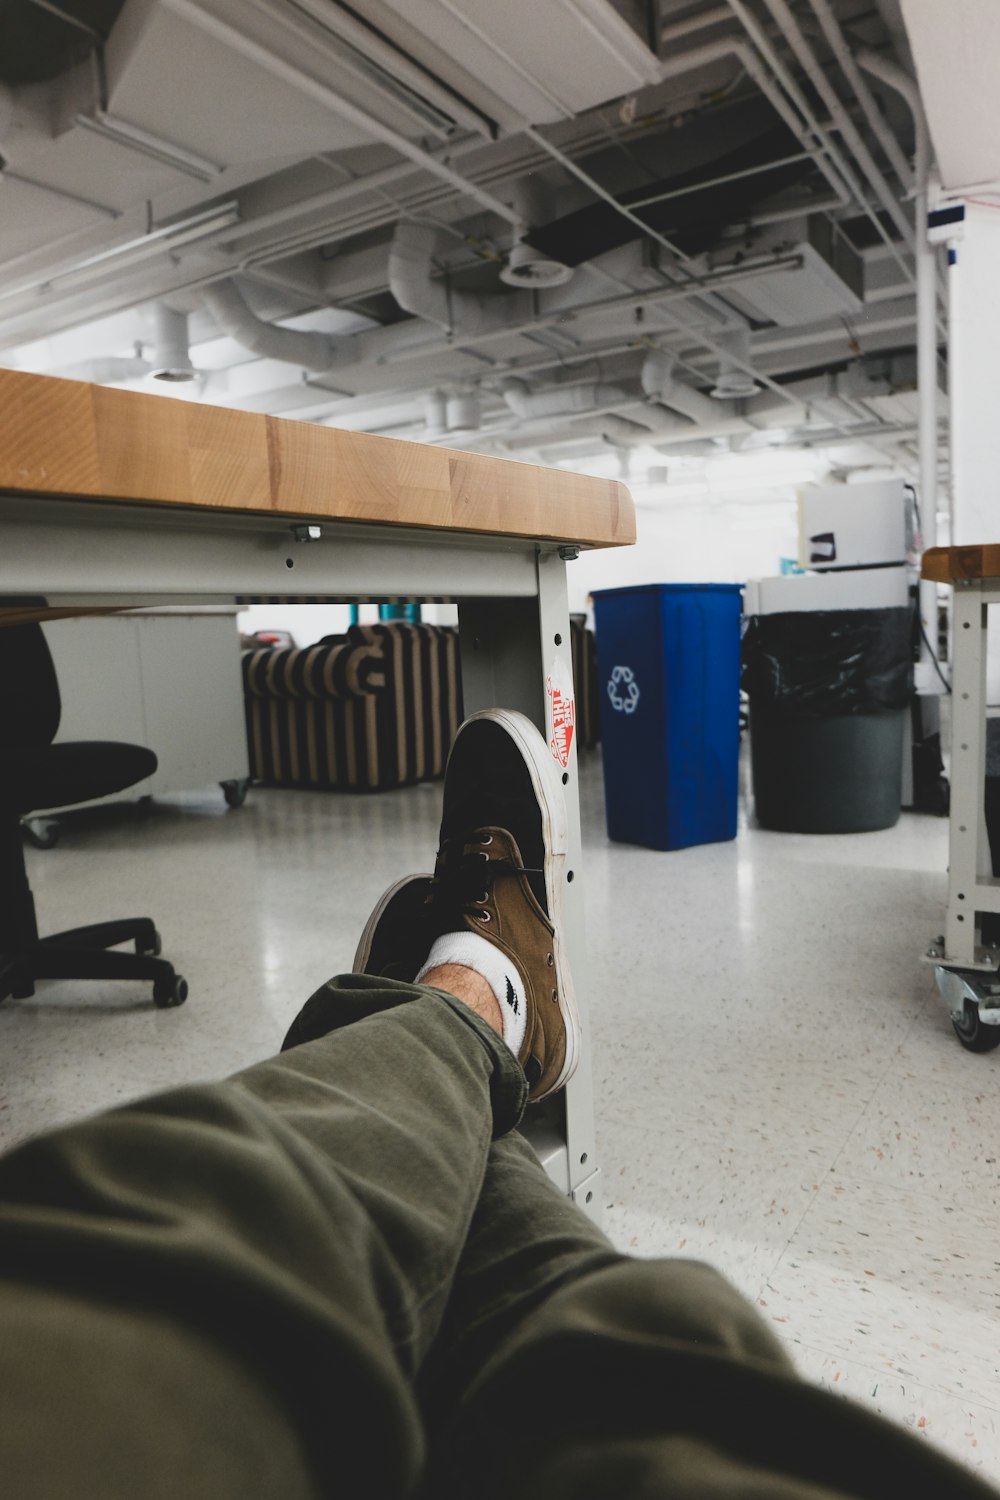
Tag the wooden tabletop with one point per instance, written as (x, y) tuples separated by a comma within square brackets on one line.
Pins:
[(69, 439), (949, 564)]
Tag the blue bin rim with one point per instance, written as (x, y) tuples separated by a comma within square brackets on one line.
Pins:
[(668, 588)]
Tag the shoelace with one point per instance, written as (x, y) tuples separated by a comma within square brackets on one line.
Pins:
[(466, 884)]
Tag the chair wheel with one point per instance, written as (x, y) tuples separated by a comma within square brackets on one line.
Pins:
[(153, 948), (170, 992), (235, 792)]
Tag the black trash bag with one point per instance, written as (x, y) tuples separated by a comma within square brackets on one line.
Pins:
[(826, 664)]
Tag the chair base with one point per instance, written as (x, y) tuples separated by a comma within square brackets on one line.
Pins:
[(82, 953)]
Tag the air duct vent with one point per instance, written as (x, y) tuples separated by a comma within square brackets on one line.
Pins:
[(532, 268)]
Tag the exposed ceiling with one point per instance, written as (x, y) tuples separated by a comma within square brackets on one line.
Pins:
[(544, 228)]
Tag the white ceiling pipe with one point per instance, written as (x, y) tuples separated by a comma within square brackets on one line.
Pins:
[(677, 29), (849, 64), (310, 351), (561, 401), (172, 359), (791, 30), (927, 377)]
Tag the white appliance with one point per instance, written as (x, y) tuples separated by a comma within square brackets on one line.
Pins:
[(856, 525)]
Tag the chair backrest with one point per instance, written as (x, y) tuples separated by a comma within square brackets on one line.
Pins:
[(29, 692)]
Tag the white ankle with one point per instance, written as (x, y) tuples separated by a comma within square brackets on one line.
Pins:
[(501, 974)]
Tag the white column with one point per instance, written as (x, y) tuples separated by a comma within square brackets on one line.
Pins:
[(974, 375)]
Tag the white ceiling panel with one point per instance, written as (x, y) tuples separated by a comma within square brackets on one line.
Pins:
[(31, 217), (171, 77), (521, 60), (89, 166), (956, 45)]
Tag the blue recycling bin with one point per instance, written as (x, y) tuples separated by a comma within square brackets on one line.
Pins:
[(668, 660)]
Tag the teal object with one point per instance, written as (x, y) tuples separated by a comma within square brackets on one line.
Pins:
[(409, 612)]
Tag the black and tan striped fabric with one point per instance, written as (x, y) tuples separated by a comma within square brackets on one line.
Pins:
[(424, 682), (313, 715), (375, 709)]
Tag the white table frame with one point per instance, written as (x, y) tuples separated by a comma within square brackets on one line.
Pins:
[(513, 617)]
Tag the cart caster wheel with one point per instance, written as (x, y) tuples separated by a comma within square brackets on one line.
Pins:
[(235, 792), (153, 948), (971, 1032), (170, 992)]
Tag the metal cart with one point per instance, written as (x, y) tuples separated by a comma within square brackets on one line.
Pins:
[(967, 970)]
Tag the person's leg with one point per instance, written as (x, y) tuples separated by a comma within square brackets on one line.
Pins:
[(567, 1371), (563, 1368), (244, 1279), (227, 1290)]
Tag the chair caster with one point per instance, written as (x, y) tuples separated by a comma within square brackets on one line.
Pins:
[(235, 792), (170, 992)]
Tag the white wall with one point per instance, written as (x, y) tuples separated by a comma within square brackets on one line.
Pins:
[(310, 622), (715, 521)]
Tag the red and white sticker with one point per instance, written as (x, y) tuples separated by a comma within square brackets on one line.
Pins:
[(560, 711)]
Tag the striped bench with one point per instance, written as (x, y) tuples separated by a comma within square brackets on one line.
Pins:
[(375, 709)]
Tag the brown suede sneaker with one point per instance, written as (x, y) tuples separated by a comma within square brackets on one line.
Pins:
[(500, 871), (489, 892)]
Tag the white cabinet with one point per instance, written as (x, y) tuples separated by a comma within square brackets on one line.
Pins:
[(167, 678)]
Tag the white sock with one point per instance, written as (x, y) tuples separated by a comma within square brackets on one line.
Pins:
[(475, 952)]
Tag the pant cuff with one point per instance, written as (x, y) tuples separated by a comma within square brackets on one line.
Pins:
[(348, 998)]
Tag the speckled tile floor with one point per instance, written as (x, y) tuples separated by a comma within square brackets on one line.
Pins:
[(777, 1087)]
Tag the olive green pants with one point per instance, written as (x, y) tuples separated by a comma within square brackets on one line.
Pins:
[(342, 1272)]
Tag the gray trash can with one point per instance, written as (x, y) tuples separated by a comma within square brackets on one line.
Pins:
[(828, 692)]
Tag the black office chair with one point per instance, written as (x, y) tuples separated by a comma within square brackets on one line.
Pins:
[(35, 773)]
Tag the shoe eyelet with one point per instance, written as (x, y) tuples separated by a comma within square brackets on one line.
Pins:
[(484, 838), (484, 916), (549, 959), (555, 995), (484, 856), (482, 900)]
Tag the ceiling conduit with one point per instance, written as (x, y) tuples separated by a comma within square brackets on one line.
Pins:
[(562, 401)]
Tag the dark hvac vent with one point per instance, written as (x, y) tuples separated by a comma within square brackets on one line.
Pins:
[(694, 214), (38, 44)]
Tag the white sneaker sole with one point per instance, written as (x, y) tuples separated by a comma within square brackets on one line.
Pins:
[(547, 787)]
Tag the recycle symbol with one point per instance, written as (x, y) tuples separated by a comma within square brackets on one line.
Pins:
[(623, 690)]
